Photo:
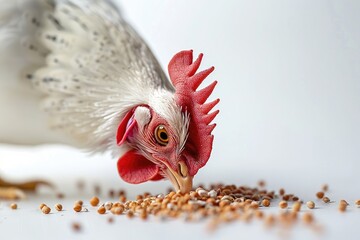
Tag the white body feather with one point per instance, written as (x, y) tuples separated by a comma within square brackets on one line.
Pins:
[(69, 70)]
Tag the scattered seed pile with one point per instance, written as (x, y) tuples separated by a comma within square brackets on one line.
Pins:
[(219, 203)]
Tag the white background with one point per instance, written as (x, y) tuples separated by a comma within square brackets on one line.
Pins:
[(289, 84)]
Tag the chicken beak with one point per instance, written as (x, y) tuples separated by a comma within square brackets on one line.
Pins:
[(180, 179)]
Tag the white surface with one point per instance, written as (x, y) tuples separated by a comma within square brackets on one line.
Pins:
[(289, 85)]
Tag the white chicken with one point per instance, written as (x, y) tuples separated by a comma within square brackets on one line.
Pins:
[(74, 72)]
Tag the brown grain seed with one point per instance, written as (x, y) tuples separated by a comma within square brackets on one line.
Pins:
[(224, 203), (308, 218), (265, 202), (320, 195), (111, 193), (77, 207), (281, 191), (46, 210), (122, 193), (295, 199), (283, 204), (143, 215), (286, 197), (13, 206), (261, 183), (357, 203), (269, 220), (296, 206), (325, 187), (118, 210), (310, 204), (76, 227), (79, 202), (342, 201), (117, 204), (254, 205), (101, 210), (326, 199), (94, 201), (259, 214), (130, 214), (108, 205), (342, 206), (122, 199), (58, 207), (42, 205), (60, 195)]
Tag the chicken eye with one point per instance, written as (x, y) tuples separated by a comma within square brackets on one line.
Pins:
[(161, 135)]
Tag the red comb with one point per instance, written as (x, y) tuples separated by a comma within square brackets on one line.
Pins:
[(182, 71)]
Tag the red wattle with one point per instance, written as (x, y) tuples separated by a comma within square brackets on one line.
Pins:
[(135, 168)]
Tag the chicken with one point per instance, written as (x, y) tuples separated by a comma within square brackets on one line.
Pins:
[(74, 72)]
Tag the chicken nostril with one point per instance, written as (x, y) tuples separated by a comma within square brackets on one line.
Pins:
[(182, 170)]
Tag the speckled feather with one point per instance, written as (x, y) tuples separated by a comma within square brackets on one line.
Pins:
[(89, 66)]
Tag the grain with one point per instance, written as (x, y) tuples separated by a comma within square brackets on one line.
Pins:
[(296, 206), (270, 220), (60, 195), (79, 202), (101, 210), (281, 191), (265, 202), (143, 214), (342, 201), (42, 205), (310, 204), (320, 195), (108, 205), (220, 203), (13, 206), (122, 198), (58, 207), (117, 210), (122, 193), (254, 205), (259, 214), (295, 199), (261, 183), (76, 226), (202, 193), (45, 209), (325, 187), (308, 218), (326, 199), (130, 214), (111, 193), (286, 197), (283, 204), (94, 201), (342, 206), (212, 193), (77, 208), (357, 203)]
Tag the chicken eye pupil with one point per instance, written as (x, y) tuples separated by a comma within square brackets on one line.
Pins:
[(161, 135)]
